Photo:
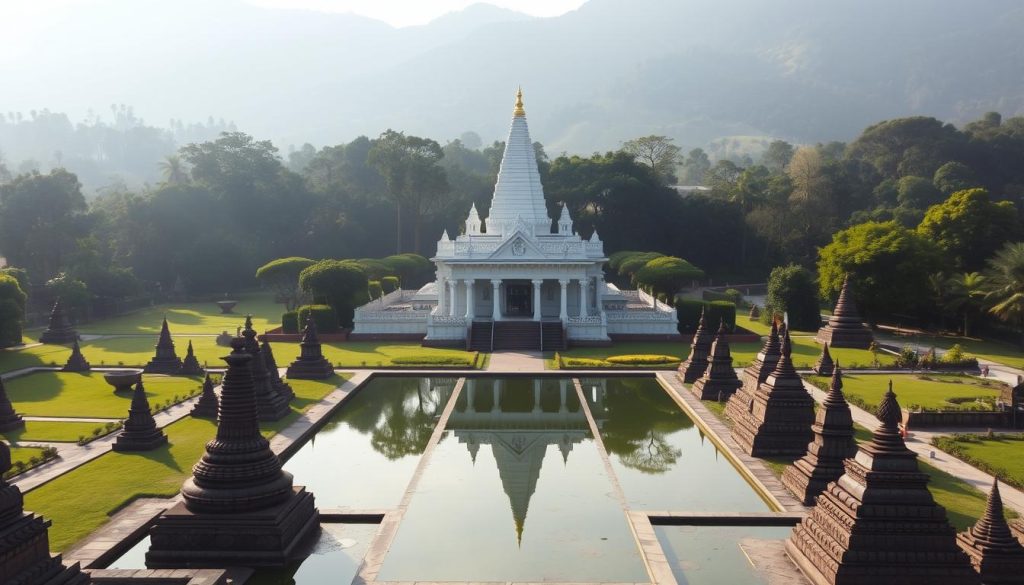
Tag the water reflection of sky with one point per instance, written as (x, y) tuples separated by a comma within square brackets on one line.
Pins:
[(711, 555)]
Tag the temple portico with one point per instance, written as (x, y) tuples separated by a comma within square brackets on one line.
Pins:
[(519, 297)]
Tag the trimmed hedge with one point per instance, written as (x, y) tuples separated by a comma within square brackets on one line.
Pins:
[(688, 312), (642, 359), (389, 284), (952, 445), (325, 317), (290, 322), (435, 360)]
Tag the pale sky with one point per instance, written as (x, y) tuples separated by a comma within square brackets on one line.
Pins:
[(412, 12)]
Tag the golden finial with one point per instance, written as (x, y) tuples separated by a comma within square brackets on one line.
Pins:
[(519, 111)]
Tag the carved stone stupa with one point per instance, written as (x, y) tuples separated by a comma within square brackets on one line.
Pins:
[(844, 328), (310, 364), (76, 361), (270, 361), (240, 507), (166, 360), (996, 554), (754, 374), (9, 419), (206, 406), (190, 365), (700, 347), (58, 330), (719, 381), (824, 365), (140, 432), (269, 402), (833, 443), (878, 523), (778, 420), (25, 557)]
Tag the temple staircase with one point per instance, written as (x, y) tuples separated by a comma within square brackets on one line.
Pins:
[(552, 336), (481, 336), (517, 335)]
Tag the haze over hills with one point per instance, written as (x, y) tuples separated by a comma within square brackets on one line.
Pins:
[(696, 70)]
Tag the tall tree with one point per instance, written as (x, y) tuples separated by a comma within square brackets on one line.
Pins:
[(40, 220), (777, 156), (970, 227), (657, 152), (1005, 283), (173, 169)]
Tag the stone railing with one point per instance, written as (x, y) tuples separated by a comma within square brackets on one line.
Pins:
[(587, 320), (406, 315), (374, 306), (559, 249), (634, 315)]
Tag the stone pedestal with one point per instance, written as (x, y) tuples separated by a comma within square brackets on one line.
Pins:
[(695, 365), (844, 328), (824, 366), (240, 507), (995, 553), (140, 432), (778, 421), (269, 402), (206, 406), (719, 381), (76, 361), (310, 364), (833, 443), (270, 361), (878, 523), (166, 360), (58, 330), (9, 420), (25, 557), (190, 365)]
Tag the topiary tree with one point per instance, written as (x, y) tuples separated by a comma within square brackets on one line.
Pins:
[(325, 317), (970, 227), (413, 270), (792, 290), (666, 275), (389, 284), (282, 275), (375, 269), (374, 289), (12, 310), (341, 284), (629, 266)]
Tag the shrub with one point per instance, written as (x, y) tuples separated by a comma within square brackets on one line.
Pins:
[(374, 289), (792, 290), (642, 359), (688, 312), (325, 317), (290, 322), (389, 284), (908, 357), (341, 284), (721, 311), (583, 363), (434, 360), (12, 310)]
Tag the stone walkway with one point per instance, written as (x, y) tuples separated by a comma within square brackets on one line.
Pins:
[(514, 361)]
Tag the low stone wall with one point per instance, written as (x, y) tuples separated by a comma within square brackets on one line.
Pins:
[(277, 334), (924, 420)]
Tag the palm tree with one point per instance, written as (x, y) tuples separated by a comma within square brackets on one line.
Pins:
[(1005, 284), (964, 294), (174, 171)]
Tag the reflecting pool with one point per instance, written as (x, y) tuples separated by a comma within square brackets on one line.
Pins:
[(660, 456), (515, 491), (364, 457), (711, 555)]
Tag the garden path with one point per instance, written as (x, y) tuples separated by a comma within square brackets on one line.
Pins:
[(516, 361)]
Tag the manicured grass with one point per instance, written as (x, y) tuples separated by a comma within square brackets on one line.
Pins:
[(355, 354), (761, 328), (81, 500), (87, 394), (928, 391), (23, 454), (191, 318), (996, 351), (999, 456), (963, 502), (55, 432)]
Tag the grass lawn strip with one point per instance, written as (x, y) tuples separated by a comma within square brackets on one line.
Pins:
[(994, 351), (87, 395), (999, 456), (186, 318), (356, 354), (52, 431), (927, 391), (81, 500)]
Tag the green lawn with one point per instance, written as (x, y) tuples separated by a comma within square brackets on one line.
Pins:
[(999, 456), (929, 391), (87, 394), (192, 318), (996, 351), (53, 432), (355, 354), (23, 454), (81, 500), (762, 329)]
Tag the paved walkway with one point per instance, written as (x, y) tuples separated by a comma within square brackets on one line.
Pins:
[(515, 361)]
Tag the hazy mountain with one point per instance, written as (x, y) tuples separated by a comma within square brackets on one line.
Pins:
[(803, 70)]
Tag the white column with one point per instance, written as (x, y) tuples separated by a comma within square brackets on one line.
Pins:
[(584, 283), (598, 294), (563, 309), (536, 395), (495, 297), (453, 286), (442, 296), (498, 384), (536, 299), (469, 299)]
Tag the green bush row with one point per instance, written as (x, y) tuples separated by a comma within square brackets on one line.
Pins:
[(325, 317), (689, 310)]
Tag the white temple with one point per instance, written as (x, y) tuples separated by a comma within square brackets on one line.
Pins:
[(511, 281)]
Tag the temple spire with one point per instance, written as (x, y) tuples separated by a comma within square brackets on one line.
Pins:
[(519, 112), (518, 194)]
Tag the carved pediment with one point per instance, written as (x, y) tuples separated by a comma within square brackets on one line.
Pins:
[(518, 246)]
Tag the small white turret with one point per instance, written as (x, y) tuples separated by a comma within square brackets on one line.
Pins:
[(565, 222), (594, 239), (473, 222), (444, 236)]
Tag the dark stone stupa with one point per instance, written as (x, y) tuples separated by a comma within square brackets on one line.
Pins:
[(833, 443), (206, 406), (240, 507), (190, 365), (311, 364), (778, 420), (25, 557), (9, 419), (763, 365), (166, 360), (700, 347), (282, 387), (269, 402), (878, 523), (719, 381), (58, 330), (140, 432), (824, 365), (844, 327), (76, 361), (995, 553)]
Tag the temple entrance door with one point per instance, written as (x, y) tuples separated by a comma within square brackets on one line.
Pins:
[(518, 300)]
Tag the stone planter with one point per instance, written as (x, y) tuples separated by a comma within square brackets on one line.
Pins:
[(226, 306), (122, 380)]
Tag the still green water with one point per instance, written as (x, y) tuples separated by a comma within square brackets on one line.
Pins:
[(711, 555)]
